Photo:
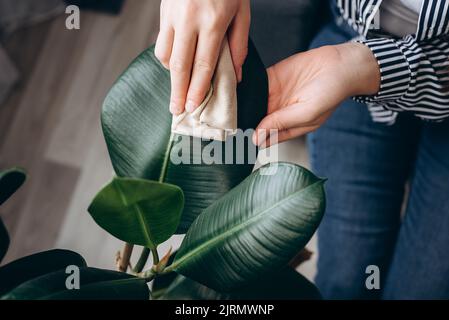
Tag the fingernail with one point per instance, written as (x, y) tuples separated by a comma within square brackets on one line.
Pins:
[(255, 138), (190, 106), (174, 109), (239, 75), (260, 137)]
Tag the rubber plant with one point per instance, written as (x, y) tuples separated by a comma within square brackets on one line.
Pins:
[(241, 227), (43, 275)]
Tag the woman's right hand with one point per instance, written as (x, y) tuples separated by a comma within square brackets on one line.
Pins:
[(189, 43)]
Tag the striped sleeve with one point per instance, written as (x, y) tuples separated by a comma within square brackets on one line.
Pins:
[(414, 77)]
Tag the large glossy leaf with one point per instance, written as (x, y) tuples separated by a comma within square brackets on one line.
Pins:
[(257, 227), (4, 240), (138, 211), (137, 123), (95, 284), (29, 267), (286, 284), (10, 181)]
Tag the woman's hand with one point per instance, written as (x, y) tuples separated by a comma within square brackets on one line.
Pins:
[(189, 43), (306, 88)]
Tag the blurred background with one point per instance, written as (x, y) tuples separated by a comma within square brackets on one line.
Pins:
[(52, 84)]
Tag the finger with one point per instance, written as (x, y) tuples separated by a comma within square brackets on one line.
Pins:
[(238, 38), (164, 45), (180, 69), (265, 139), (274, 90), (291, 134), (273, 80), (295, 115), (206, 57)]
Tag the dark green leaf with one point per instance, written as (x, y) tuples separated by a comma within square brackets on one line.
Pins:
[(95, 284), (4, 241), (137, 124), (182, 288), (10, 181), (286, 284), (27, 268), (258, 226), (138, 211)]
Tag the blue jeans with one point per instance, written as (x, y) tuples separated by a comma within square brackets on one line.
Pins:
[(369, 167)]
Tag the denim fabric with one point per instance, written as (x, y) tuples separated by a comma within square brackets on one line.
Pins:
[(368, 166)]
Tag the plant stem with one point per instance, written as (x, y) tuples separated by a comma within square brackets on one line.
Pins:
[(125, 257), (148, 275), (161, 179), (142, 260), (166, 158), (155, 256), (128, 249), (150, 278)]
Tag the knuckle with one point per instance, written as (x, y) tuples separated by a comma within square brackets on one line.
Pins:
[(187, 11), (204, 65), (214, 22), (178, 65), (276, 122)]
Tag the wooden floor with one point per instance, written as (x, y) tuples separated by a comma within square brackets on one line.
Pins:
[(50, 126)]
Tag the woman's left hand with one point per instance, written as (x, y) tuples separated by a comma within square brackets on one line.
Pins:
[(306, 88)]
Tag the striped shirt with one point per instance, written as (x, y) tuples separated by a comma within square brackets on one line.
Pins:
[(414, 69)]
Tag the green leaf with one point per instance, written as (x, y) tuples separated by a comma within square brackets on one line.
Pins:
[(10, 181), (137, 125), (256, 228), (286, 284), (137, 211), (183, 288), (95, 284), (27, 268), (4, 240)]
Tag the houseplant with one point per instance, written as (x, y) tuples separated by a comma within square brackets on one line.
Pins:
[(240, 226), (43, 275)]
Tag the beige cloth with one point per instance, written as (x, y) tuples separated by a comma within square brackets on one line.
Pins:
[(216, 117)]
